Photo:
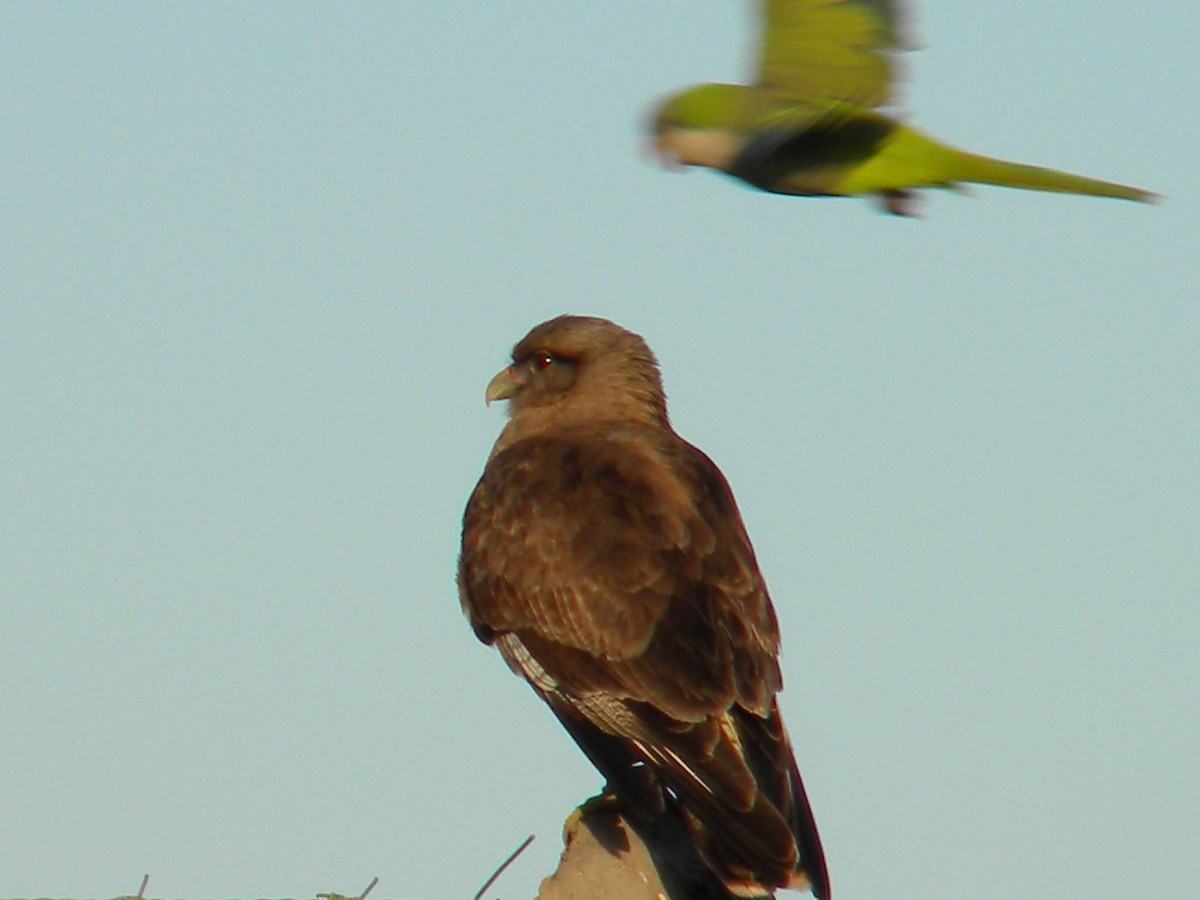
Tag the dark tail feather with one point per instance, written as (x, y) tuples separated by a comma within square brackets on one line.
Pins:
[(769, 754), (738, 787), (756, 832)]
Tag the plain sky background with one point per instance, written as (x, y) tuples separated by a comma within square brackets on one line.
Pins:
[(257, 264)]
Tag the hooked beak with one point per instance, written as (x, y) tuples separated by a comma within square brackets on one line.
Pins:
[(506, 385)]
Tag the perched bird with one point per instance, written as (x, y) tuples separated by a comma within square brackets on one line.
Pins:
[(605, 558), (811, 125)]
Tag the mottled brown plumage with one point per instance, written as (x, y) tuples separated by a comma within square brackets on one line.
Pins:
[(605, 558)]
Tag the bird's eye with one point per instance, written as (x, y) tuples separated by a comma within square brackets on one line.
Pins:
[(542, 361)]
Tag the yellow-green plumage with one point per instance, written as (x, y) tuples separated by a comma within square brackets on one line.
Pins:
[(811, 126)]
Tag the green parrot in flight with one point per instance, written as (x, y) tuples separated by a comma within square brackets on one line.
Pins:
[(811, 124)]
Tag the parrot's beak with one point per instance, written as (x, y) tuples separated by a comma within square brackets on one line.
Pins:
[(506, 385), (660, 149), (714, 148)]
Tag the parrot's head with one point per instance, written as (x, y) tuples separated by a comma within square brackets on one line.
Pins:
[(699, 126)]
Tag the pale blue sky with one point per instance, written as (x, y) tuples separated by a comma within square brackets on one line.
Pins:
[(257, 264)]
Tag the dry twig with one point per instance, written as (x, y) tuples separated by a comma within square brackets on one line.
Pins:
[(504, 865)]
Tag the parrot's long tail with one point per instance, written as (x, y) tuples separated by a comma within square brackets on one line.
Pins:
[(905, 158), (985, 170)]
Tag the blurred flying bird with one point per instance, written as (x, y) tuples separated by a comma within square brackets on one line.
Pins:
[(811, 125)]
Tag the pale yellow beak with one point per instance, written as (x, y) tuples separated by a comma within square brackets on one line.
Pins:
[(506, 385)]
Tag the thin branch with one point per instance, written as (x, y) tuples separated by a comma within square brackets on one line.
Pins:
[(362, 896), (504, 865)]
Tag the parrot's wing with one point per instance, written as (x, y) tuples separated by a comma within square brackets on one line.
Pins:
[(832, 49)]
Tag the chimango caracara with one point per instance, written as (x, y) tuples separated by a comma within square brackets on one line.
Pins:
[(605, 558)]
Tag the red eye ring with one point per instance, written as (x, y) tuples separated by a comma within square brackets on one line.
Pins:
[(542, 360)]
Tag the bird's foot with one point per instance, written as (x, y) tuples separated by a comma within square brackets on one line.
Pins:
[(899, 202)]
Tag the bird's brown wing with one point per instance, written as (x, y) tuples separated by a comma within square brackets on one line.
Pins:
[(614, 573), (626, 566)]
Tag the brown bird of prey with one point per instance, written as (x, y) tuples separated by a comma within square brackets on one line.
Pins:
[(605, 558)]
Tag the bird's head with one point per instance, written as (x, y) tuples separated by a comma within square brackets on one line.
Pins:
[(576, 370), (698, 126)]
